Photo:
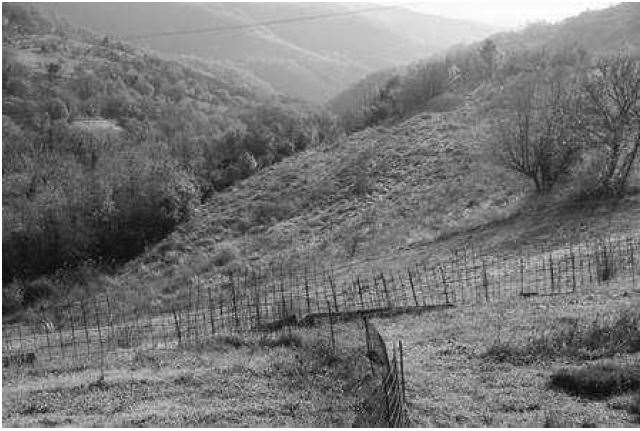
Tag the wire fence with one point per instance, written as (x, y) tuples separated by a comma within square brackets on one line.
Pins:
[(249, 302), (391, 387), (275, 307)]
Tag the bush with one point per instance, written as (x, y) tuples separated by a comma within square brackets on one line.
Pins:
[(635, 405), (286, 340), (597, 380), (224, 256)]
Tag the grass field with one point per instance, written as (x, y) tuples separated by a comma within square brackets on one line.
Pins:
[(451, 382), (225, 383)]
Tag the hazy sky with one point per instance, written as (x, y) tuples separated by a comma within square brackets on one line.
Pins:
[(508, 14)]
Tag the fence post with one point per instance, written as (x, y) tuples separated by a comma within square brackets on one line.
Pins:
[(233, 297), (551, 273), (360, 293), (444, 284), (633, 266), (306, 288), (177, 324), (211, 316), (413, 289), (386, 291), (521, 276), (485, 280), (333, 341), (573, 268), (402, 370), (333, 292), (84, 323), (97, 311)]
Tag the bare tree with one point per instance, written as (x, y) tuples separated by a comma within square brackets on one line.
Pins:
[(539, 133), (614, 121)]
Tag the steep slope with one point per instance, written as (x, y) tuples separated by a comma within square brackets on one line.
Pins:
[(384, 197), (313, 59)]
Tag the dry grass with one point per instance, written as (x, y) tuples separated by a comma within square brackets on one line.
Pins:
[(288, 382), (604, 336), (450, 382)]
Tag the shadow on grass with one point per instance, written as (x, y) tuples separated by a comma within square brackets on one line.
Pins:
[(597, 381)]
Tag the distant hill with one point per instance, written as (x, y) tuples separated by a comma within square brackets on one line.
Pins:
[(402, 90), (596, 31), (311, 59)]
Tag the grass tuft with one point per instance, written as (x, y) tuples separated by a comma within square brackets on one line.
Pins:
[(601, 338), (286, 340), (634, 408), (597, 380)]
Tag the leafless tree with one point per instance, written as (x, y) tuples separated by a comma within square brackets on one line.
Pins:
[(614, 118), (539, 133)]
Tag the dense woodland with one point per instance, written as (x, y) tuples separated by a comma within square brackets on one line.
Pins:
[(107, 148)]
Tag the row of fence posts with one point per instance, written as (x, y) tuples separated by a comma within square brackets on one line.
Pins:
[(248, 307)]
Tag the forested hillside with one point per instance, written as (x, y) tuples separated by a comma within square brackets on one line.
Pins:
[(313, 59), (106, 148)]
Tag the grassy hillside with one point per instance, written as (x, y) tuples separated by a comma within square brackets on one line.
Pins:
[(384, 197), (312, 59)]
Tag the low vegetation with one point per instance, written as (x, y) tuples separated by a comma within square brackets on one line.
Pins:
[(598, 380), (605, 336)]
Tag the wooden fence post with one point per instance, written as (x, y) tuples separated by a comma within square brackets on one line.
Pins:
[(360, 293), (521, 276), (551, 273), (333, 340), (97, 311), (485, 280), (402, 370), (573, 268), (444, 284), (177, 325), (84, 323), (386, 291), (306, 288), (333, 292)]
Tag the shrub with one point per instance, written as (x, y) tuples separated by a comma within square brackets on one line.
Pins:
[(224, 256), (597, 380), (286, 340), (635, 405)]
